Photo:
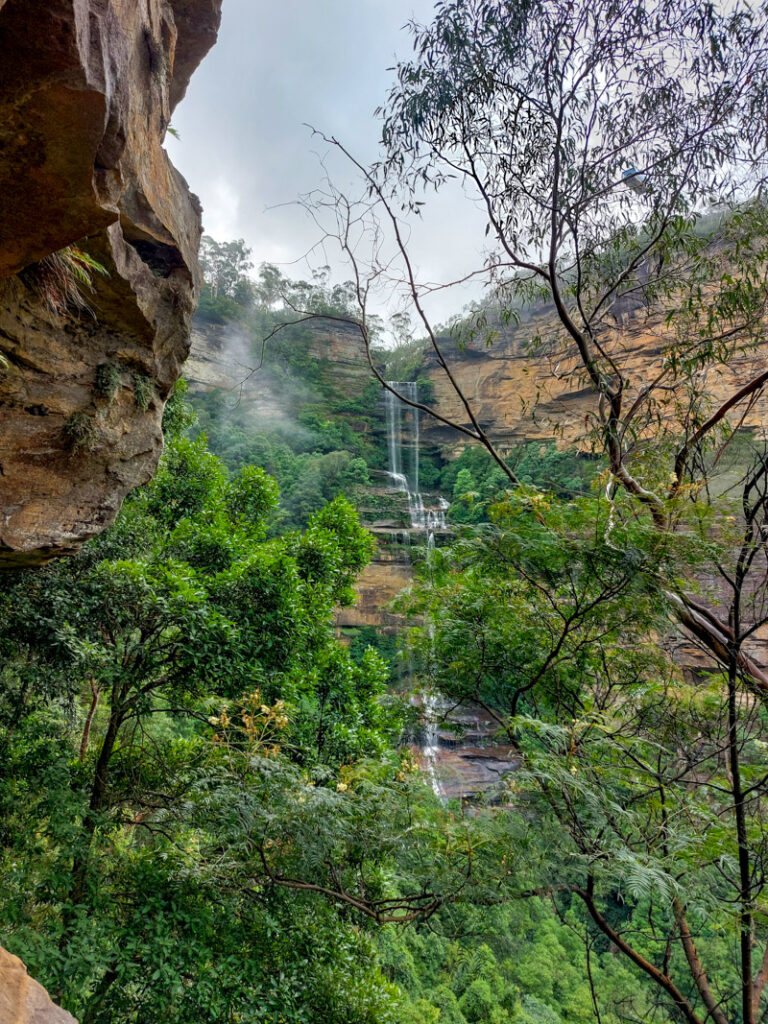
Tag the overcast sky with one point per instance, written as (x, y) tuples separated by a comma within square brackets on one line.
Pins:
[(244, 147)]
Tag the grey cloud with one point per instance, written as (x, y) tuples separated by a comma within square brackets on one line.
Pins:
[(244, 148)]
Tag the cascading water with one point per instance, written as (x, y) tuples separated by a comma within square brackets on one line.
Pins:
[(403, 448), (476, 763), (431, 748)]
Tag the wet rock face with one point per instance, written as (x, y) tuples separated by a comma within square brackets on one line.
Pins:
[(87, 88), (22, 1000), (463, 751)]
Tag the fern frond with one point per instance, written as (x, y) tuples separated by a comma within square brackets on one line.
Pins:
[(61, 278)]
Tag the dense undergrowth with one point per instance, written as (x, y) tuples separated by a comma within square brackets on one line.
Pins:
[(169, 694)]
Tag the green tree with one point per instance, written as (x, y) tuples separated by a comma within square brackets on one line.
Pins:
[(646, 790), (225, 266), (179, 660), (595, 136), (595, 195)]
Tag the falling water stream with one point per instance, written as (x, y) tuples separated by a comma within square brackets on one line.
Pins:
[(431, 746), (479, 762), (403, 448)]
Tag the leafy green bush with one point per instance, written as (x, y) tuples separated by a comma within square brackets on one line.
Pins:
[(143, 390), (160, 691), (478, 1002)]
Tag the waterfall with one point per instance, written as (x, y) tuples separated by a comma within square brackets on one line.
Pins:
[(430, 750), (455, 769), (431, 747), (403, 449)]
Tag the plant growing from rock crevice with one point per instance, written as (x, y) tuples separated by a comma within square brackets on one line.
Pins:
[(81, 433), (143, 390), (107, 381), (62, 278)]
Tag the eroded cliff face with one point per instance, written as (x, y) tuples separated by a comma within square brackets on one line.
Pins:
[(228, 356), (519, 395), (87, 88)]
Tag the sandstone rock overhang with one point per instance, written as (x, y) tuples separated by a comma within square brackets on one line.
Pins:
[(87, 89)]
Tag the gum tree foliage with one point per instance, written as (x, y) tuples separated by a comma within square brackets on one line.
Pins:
[(231, 292), (642, 787), (225, 267), (540, 110), (618, 152), (168, 695)]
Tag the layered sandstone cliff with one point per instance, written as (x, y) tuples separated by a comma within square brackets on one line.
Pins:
[(229, 356), (87, 88), (523, 393)]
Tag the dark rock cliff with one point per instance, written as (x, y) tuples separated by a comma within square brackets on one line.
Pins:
[(87, 88)]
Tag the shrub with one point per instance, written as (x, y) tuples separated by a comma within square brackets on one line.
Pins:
[(143, 390), (61, 278)]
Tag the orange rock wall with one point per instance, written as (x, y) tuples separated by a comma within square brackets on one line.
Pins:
[(22, 1000), (522, 397)]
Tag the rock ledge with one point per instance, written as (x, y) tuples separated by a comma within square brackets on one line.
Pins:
[(22, 1000)]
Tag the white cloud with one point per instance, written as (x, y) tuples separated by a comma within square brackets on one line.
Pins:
[(244, 146), (222, 210)]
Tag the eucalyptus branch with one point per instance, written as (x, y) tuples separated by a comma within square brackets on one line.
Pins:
[(748, 389), (587, 895), (400, 910)]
